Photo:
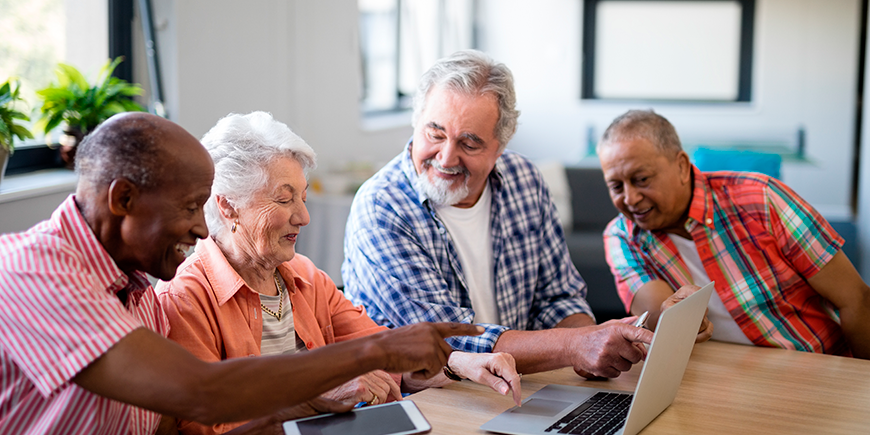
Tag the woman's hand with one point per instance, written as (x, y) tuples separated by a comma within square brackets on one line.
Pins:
[(498, 370), (374, 388)]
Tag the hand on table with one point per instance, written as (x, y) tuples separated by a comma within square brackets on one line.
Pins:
[(608, 349), (706, 329), (497, 370), (374, 388)]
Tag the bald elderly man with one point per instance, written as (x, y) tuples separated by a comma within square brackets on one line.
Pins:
[(83, 347), (781, 278)]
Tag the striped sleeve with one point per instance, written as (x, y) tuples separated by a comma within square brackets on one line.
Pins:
[(63, 321), (803, 235), (627, 265)]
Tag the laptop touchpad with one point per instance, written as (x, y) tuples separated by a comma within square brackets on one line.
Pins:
[(543, 407)]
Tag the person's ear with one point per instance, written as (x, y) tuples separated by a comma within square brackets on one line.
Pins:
[(122, 196), (685, 165), (227, 210)]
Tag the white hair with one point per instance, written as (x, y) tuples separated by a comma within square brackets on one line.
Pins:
[(241, 147), (471, 72)]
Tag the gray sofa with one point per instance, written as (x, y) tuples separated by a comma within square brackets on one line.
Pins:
[(592, 210)]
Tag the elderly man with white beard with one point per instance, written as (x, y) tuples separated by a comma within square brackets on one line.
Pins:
[(456, 228)]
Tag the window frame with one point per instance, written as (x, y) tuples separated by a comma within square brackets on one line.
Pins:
[(747, 31), (403, 102)]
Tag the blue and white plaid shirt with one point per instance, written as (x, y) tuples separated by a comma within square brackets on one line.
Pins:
[(402, 265)]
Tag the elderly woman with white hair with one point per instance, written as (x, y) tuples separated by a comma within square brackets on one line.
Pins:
[(246, 292)]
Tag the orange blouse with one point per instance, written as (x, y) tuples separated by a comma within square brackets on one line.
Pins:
[(216, 316)]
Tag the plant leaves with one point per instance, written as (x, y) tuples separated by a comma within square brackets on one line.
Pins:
[(73, 76), (21, 132)]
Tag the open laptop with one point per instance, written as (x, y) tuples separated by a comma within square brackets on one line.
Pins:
[(559, 409)]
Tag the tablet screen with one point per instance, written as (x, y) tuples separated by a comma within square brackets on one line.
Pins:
[(381, 420)]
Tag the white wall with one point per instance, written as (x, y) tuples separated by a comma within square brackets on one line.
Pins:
[(87, 35), (299, 59), (296, 59), (862, 220), (805, 73)]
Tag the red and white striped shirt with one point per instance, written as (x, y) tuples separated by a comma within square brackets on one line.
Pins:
[(58, 313)]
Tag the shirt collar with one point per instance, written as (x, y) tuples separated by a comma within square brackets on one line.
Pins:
[(496, 177), (224, 279), (99, 263), (701, 207)]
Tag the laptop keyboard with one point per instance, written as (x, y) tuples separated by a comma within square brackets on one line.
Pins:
[(602, 414)]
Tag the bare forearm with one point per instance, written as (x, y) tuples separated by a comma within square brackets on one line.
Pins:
[(232, 390), (853, 320), (649, 298), (576, 321), (535, 351)]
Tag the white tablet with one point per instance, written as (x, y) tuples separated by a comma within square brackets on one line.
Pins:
[(396, 418)]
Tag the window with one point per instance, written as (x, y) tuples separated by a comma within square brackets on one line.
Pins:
[(401, 39), (697, 50), (33, 42), (37, 35)]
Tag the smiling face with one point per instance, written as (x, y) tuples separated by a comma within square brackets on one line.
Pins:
[(455, 148), (270, 221), (167, 220), (649, 188)]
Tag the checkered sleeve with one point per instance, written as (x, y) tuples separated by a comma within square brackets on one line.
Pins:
[(388, 270), (562, 291), (627, 264), (803, 235)]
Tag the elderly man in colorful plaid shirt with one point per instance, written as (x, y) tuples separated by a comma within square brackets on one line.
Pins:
[(781, 279), (456, 228)]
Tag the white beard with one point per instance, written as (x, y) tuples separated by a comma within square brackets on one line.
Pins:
[(440, 191)]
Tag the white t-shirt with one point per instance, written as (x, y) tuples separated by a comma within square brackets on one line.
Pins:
[(470, 230), (724, 326)]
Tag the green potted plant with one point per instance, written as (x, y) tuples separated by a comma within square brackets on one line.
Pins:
[(9, 129), (82, 106)]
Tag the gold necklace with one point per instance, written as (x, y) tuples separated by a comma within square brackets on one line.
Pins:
[(280, 299)]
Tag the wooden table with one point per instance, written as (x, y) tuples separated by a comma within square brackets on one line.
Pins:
[(727, 389)]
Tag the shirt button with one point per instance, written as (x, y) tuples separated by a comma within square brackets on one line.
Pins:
[(441, 230), (309, 345), (709, 221)]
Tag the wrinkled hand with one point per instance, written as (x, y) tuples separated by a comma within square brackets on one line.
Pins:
[(373, 387), (706, 329), (498, 370), (639, 345), (419, 348), (608, 349)]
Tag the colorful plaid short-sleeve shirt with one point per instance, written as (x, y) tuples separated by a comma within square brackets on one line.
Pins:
[(760, 242)]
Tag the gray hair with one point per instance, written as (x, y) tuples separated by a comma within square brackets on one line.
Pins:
[(124, 148), (472, 72), (643, 124), (241, 147)]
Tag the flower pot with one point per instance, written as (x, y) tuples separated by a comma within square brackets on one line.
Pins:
[(70, 139)]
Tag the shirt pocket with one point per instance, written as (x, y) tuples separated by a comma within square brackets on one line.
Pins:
[(328, 334)]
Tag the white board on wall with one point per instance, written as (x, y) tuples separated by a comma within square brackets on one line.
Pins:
[(667, 50)]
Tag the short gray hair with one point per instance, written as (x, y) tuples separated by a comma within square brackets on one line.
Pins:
[(241, 147), (643, 124), (472, 72), (124, 147)]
